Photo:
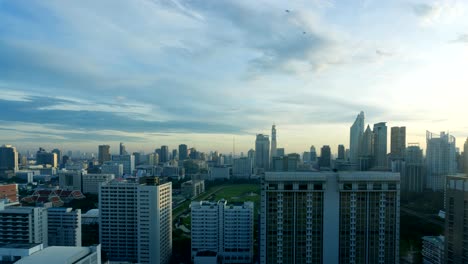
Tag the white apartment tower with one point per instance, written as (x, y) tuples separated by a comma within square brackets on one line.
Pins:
[(329, 217), (136, 221), (226, 229), (23, 225), (127, 161), (440, 159), (64, 227)]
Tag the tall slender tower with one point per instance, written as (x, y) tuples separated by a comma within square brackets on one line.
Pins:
[(262, 152), (356, 131), (380, 146), (273, 142), (465, 156)]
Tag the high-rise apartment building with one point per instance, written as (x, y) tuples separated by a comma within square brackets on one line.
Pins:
[(329, 217), (226, 229), (71, 179), (58, 152), (273, 142), (379, 146), (280, 152), (92, 181), (164, 157), (262, 152), (456, 220), (398, 142), (440, 159), (127, 161), (104, 153), (313, 154), (356, 131), (433, 249), (136, 221), (110, 167), (183, 152), (242, 168), (8, 160), (64, 227), (23, 225)]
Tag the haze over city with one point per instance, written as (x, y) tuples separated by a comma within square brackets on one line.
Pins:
[(204, 72)]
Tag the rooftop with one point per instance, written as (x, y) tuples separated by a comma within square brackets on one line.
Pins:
[(56, 255)]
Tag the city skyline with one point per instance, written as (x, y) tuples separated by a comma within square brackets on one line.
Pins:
[(202, 73)]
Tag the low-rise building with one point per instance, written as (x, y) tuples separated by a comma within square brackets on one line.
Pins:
[(194, 188), (10, 253), (69, 255)]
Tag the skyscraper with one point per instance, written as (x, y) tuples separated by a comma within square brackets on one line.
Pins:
[(273, 142), (262, 152), (412, 180), (8, 159), (341, 152), (313, 154), (356, 131), (175, 155), (137, 226), (440, 159), (325, 157), (127, 161), (398, 142), (328, 217), (64, 227), (366, 150), (380, 146), (104, 154), (122, 150), (46, 158), (164, 157), (59, 155), (183, 152)]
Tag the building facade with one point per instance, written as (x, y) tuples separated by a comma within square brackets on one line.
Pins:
[(92, 181), (328, 217), (127, 161), (355, 138), (8, 159), (397, 142), (223, 228), (262, 152), (104, 153), (64, 227), (433, 249), (380, 146), (440, 159), (242, 168), (23, 225), (273, 142)]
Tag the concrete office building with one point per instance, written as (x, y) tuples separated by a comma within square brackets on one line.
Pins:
[(413, 178), (193, 188), (183, 152), (226, 229), (325, 157), (8, 160), (164, 156), (242, 168), (46, 158), (110, 167), (329, 217), (104, 153), (23, 225), (127, 161), (440, 159), (136, 221), (456, 219), (92, 181), (465, 157), (71, 180), (262, 152), (218, 173), (341, 152), (64, 227), (273, 142), (397, 142), (122, 150), (11, 253)]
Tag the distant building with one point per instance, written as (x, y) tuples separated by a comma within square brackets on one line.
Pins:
[(398, 142), (64, 227), (465, 156), (8, 160), (413, 178), (306, 157), (110, 167), (380, 146), (280, 152), (328, 217), (164, 157), (242, 168), (128, 162), (219, 173), (58, 152), (104, 153), (183, 152), (366, 155), (71, 180), (46, 158), (325, 157), (262, 152), (341, 152), (122, 150), (456, 219), (193, 188), (92, 181), (356, 132), (433, 249), (226, 229), (440, 159), (69, 255), (11, 253), (175, 155), (273, 142), (136, 221), (313, 154)]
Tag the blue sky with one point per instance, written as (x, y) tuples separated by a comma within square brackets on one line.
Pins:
[(82, 73)]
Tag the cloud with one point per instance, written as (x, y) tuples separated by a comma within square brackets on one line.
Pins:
[(439, 11), (462, 38)]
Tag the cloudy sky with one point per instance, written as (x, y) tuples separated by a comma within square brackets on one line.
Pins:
[(75, 74)]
